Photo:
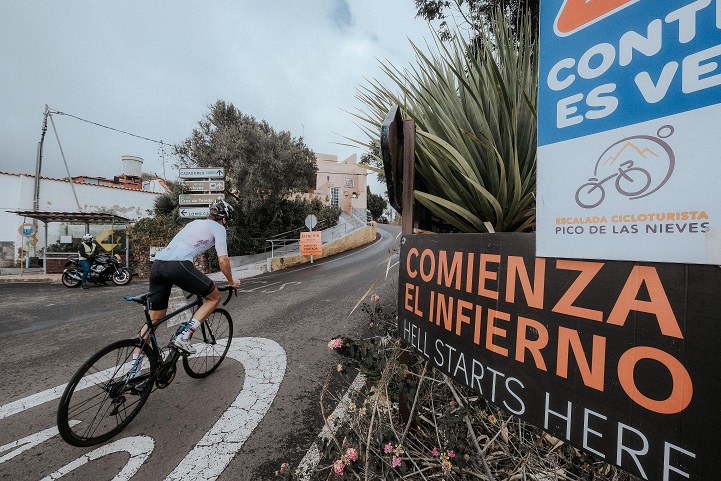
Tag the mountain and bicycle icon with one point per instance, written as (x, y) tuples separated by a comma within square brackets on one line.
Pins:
[(630, 165)]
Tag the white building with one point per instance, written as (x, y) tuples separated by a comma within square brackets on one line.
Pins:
[(123, 196)]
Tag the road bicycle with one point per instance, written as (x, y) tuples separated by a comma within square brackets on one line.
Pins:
[(102, 398), (630, 181)]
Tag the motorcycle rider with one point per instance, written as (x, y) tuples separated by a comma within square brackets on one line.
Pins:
[(87, 251)]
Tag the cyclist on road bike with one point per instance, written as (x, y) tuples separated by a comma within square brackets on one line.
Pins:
[(174, 266)]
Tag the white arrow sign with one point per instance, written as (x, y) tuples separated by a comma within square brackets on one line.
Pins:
[(194, 212), (209, 173)]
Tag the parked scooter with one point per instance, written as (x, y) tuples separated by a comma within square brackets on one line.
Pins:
[(103, 269)]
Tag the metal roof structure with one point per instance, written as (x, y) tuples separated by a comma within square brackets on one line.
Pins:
[(86, 218), (73, 217)]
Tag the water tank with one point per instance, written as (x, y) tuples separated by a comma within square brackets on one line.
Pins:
[(132, 166)]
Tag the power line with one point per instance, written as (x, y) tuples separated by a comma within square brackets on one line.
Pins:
[(107, 127)]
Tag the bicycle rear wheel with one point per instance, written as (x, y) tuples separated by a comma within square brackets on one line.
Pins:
[(99, 401), (211, 342)]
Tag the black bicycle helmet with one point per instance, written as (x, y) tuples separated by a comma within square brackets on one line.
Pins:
[(220, 209)]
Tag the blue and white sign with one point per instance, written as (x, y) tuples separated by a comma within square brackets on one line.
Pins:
[(629, 154)]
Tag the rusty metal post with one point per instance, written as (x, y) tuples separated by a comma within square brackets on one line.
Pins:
[(409, 167)]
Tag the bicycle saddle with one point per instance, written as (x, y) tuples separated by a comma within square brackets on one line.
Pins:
[(140, 299)]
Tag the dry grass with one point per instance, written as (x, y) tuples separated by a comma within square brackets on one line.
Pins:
[(433, 428)]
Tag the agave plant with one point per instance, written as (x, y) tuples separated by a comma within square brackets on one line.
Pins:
[(474, 106)]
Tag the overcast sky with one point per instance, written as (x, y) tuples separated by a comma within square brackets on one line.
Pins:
[(152, 68)]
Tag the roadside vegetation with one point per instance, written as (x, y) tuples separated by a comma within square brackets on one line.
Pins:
[(267, 175)]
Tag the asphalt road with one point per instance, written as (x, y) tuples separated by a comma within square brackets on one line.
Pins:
[(260, 409)]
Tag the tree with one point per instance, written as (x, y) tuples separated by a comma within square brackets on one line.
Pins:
[(263, 169), (372, 158), (261, 165), (475, 13), (376, 204)]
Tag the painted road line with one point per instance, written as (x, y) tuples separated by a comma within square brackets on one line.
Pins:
[(337, 418), (264, 362), (139, 448)]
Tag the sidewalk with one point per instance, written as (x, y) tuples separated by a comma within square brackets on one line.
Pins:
[(250, 268), (31, 277)]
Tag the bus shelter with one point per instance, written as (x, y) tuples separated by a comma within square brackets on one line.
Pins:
[(86, 218)]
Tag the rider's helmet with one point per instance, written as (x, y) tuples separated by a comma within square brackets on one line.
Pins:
[(88, 238), (220, 209)]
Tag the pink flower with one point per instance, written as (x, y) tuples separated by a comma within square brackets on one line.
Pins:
[(388, 448), (351, 454), (336, 343), (338, 467), (396, 461), (451, 454), (434, 452), (453, 404), (375, 298)]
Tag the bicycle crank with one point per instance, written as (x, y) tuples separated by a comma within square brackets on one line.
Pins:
[(166, 374)]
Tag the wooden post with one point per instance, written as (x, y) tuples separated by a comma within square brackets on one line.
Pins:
[(409, 167)]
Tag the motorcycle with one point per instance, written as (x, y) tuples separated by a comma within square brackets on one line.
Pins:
[(104, 268)]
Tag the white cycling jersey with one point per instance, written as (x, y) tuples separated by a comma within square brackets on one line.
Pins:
[(194, 239)]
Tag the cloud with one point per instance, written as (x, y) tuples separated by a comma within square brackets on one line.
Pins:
[(342, 14), (154, 68)]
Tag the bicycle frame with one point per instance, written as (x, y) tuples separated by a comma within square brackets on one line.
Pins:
[(150, 325)]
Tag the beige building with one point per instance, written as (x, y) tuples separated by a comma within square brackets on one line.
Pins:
[(342, 183)]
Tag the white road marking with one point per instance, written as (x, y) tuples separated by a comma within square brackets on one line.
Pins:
[(139, 447), (312, 457), (28, 442), (281, 287), (264, 362)]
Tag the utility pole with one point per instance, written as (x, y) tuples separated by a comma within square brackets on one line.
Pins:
[(39, 162)]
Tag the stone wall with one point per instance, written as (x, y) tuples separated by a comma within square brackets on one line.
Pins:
[(358, 238)]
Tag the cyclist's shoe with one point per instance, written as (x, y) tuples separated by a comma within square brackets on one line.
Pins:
[(184, 345), (84, 286)]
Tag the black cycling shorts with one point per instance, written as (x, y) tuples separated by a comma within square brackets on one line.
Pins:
[(165, 274)]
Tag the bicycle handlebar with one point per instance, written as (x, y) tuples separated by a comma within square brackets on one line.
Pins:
[(231, 291)]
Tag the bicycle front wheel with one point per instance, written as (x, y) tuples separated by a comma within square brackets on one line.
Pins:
[(211, 342), (100, 400)]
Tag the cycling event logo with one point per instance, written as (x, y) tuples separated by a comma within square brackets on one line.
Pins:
[(576, 15), (633, 166)]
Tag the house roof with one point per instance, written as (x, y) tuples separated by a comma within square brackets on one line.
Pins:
[(73, 217)]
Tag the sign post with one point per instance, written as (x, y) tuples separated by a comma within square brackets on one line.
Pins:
[(310, 245), (204, 187), (628, 109)]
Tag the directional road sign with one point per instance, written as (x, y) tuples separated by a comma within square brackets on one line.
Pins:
[(207, 173), (205, 185), (194, 212), (198, 199)]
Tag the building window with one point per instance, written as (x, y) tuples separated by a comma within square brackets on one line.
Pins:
[(348, 183), (334, 196)]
